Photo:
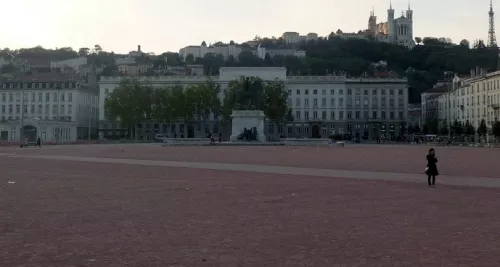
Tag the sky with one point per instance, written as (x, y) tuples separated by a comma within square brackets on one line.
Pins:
[(168, 25)]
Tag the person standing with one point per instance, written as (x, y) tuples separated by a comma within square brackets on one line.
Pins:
[(38, 142), (432, 170)]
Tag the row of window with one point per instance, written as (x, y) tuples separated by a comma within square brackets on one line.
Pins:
[(357, 102), (36, 96), (339, 115), (39, 110), (40, 85), (349, 91), (55, 118)]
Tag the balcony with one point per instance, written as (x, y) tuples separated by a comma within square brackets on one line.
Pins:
[(495, 106)]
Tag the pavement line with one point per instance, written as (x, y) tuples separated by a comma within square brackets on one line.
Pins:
[(364, 175)]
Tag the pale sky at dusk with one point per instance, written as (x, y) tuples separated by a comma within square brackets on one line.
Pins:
[(168, 25)]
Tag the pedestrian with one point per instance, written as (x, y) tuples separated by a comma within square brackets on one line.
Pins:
[(38, 142), (431, 170)]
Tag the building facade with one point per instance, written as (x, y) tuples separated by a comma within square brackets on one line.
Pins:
[(53, 106), (321, 105), (295, 37), (395, 30), (473, 99)]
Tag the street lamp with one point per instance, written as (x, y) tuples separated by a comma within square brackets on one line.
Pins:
[(21, 126)]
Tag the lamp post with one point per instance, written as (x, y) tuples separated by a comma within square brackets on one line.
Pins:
[(21, 125)]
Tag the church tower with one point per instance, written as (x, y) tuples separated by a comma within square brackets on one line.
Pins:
[(372, 23), (391, 27), (409, 13)]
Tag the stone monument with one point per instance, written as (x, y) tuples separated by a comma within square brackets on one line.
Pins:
[(247, 121)]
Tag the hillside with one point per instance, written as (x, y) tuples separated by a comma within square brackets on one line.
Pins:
[(424, 65)]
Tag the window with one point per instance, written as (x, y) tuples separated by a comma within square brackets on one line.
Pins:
[(33, 97), (70, 97), (297, 92), (383, 115), (47, 107), (323, 91), (315, 92), (18, 108), (332, 91), (306, 92), (358, 114), (392, 115), (306, 115), (54, 109), (332, 115), (306, 102), (315, 114), (323, 102), (32, 109), (365, 115), (10, 109), (62, 110), (39, 111), (54, 96), (62, 97), (323, 115), (341, 115), (349, 91), (349, 114), (3, 109), (47, 97), (297, 115), (297, 102), (341, 102), (315, 102), (11, 97), (374, 114), (332, 102)]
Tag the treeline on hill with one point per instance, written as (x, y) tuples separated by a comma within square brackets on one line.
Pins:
[(424, 65)]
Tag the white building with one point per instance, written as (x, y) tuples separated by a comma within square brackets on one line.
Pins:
[(473, 99), (262, 51), (200, 51), (321, 105), (54, 107), (295, 37), (74, 63)]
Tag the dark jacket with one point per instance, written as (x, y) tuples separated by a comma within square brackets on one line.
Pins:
[(432, 165)]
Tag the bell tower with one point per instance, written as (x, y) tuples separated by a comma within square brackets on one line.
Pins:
[(390, 21)]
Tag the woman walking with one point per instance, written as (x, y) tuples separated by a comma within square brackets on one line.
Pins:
[(431, 170)]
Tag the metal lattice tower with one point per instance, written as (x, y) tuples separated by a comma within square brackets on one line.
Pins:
[(492, 40)]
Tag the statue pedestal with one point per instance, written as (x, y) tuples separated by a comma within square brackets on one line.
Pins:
[(247, 119)]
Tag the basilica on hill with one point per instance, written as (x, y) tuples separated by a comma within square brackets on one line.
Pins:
[(395, 30)]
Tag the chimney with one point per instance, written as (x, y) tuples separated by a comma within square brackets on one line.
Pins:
[(139, 48), (478, 73), (472, 73)]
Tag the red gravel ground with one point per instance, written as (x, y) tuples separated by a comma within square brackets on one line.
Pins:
[(66, 213), (478, 162)]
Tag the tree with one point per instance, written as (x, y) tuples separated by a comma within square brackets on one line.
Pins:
[(495, 129), (444, 128), (482, 129), (418, 40), (276, 101), (457, 128), (416, 129), (84, 51), (469, 129), (426, 129), (465, 43), (129, 103)]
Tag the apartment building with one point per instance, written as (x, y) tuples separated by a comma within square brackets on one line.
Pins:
[(472, 99), (53, 106), (321, 105)]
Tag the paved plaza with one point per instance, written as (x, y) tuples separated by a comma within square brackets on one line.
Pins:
[(148, 205)]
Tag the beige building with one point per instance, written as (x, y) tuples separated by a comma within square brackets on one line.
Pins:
[(295, 37), (321, 105), (53, 106), (472, 99)]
